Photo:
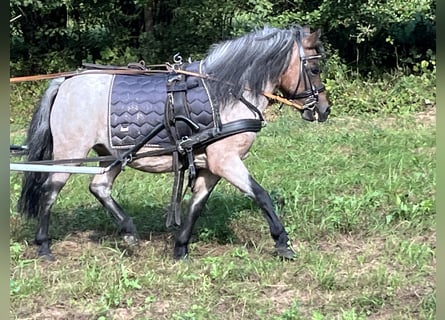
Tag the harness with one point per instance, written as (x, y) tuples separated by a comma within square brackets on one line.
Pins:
[(186, 137)]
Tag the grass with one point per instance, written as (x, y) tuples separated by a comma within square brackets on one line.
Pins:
[(355, 194)]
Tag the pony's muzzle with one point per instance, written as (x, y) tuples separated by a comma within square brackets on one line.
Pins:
[(323, 112), (319, 113)]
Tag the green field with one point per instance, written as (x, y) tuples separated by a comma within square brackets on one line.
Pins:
[(356, 194)]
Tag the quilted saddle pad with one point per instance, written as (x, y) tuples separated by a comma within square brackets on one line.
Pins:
[(137, 106)]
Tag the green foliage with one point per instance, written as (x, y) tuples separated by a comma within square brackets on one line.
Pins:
[(55, 36), (369, 35), (24, 99), (390, 93)]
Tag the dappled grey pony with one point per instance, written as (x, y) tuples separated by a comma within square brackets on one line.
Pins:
[(102, 111)]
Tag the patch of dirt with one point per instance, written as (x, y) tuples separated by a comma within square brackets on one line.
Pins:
[(122, 314), (281, 296), (426, 118), (57, 312), (272, 113)]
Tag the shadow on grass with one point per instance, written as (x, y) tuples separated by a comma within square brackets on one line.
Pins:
[(213, 224)]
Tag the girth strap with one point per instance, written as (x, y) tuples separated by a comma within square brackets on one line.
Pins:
[(174, 209), (176, 108)]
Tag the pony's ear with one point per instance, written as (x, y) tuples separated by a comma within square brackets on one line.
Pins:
[(313, 39), (306, 29)]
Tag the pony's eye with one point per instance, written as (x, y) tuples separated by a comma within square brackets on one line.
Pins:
[(315, 71)]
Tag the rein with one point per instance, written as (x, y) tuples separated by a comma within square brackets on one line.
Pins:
[(82, 72)]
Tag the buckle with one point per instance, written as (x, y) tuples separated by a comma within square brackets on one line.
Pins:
[(182, 145)]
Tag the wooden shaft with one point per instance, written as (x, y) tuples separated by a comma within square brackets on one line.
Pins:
[(87, 71), (43, 76)]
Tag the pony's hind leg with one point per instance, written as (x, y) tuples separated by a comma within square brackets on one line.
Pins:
[(50, 189), (234, 171), (100, 187), (204, 184)]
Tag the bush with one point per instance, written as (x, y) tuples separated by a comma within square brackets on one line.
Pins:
[(388, 93)]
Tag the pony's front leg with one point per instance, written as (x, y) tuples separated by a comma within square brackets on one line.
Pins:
[(232, 168), (204, 184), (279, 234)]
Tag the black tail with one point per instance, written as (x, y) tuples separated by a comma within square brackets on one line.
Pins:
[(40, 147)]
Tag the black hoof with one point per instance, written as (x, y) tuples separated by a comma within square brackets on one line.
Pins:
[(181, 254), (286, 253), (44, 253), (46, 257), (185, 259)]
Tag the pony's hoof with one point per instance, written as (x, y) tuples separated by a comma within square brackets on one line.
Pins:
[(181, 257), (44, 253), (131, 240), (180, 253), (184, 259), (46, 257), (286, 253)]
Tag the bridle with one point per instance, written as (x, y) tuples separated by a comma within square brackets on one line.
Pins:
[(310, 91)]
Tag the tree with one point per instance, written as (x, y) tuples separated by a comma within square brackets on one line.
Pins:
[(370, 35)]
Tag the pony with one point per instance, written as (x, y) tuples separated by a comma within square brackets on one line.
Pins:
[(240, 75)]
